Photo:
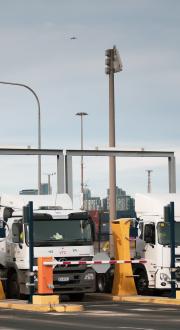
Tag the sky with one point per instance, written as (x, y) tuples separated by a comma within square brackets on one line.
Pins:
[(69, 76)]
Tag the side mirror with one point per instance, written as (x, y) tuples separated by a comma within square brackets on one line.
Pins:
[(149, 233), (16, 231)]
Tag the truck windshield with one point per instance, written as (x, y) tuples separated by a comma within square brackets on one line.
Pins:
[(62, 232), (163, 233)]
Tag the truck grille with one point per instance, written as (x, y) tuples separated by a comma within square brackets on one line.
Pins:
[(69, 279)]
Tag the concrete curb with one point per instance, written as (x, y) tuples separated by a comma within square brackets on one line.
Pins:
[(138, 299), (72, 308), (60, 308), (152, 300)]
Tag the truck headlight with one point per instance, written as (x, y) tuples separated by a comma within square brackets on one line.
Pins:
[(164, 277), (89, 277)]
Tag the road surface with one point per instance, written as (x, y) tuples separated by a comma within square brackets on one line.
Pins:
[(97, 315)]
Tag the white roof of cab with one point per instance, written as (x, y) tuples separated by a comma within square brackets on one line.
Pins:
[(154, 203), (18, 201)]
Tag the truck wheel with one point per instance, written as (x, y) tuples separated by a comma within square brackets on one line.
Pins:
[(141, 282), (13, 289), (101, 283), (76, 296)]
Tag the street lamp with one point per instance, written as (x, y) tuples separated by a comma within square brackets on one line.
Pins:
[(113, 64), (82, 114), (39, 125)]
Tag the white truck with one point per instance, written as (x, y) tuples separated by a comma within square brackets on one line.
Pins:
[(59, 232), (153, 242)]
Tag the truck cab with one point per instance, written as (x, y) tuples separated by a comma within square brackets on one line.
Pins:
[(153, 242), (60, 232)]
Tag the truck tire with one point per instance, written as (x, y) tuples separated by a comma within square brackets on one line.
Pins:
[(13, 289), (101, 283), (104, 281), (141, 282)]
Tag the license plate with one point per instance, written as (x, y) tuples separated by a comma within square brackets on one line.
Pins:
[(63, 279)]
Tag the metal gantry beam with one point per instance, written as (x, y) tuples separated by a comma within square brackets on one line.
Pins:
[(86, 152), (118, 153), (64, 161), (133, 153), (30, 152)]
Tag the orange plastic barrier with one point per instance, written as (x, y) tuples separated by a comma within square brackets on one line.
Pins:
[(45, 276)]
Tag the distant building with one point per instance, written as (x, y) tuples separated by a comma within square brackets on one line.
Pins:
[(124, 202), (104, 204), (28, 192), (44, 190), (99, 210), (92, 203), (86, 193)]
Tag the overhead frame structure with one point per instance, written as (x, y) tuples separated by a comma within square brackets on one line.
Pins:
[(58, 153), (64, 161)]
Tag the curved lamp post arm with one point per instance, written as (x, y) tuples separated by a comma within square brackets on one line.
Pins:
[(39, 124)]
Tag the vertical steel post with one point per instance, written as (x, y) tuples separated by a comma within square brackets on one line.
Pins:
[(68, 176), (112, 159), (49, 184), (149, 181), (172, 174), (172, 244), (81, 114), (82, 168), (31, 250), (60, 174), (99, 230)]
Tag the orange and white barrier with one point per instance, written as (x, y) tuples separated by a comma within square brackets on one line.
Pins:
[(93, 262), (45, 276)]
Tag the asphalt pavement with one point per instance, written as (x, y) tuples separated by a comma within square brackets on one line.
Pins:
[(97, 315)]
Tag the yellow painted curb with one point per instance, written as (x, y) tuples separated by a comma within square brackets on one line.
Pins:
[(140, 299), (73, 308), (5, 305), (58, 308), (167, 301), (45, 300), (31, 307)]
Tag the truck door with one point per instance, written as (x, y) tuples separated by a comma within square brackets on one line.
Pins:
[(150, 249)]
